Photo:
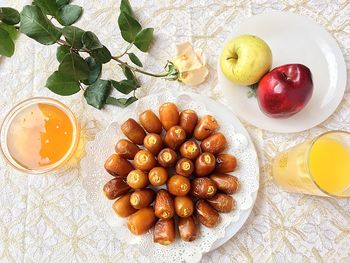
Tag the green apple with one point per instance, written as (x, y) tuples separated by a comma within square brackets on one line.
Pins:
[(246, 59)]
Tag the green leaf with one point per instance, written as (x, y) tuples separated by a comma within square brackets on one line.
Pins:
[(9, 15), (73, 36), (134, 59), (61, 52), (128, 73), (91, 41), (94, 71), (123, 102), (143, 39), (7, 47), (62, 85), (69, 14), (253, 89), (48, 7), (125, 86), (36, 25), (97, 93), (101, 55), (63, 2), (74, 66), (126, 7), (128, 26), (11, 30)]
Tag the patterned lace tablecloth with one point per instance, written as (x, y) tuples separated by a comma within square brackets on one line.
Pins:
[(46, 218)]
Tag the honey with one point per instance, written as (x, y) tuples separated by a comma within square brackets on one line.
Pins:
[(39, 136)]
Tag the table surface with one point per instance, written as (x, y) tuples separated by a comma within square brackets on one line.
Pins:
[(46, 218)]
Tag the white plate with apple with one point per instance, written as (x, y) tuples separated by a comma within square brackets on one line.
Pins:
[(286, 99)]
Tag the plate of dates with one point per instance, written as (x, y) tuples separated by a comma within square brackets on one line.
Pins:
[(175, 174)]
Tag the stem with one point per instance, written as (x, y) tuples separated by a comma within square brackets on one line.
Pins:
[(126, 50), (117, 58), (64, 43), (285, 76), (81, 87), (162, 75)]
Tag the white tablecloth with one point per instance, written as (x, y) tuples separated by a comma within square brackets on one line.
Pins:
[(46, 218)]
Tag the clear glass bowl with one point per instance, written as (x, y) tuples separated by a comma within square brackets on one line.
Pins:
[(9, 118)]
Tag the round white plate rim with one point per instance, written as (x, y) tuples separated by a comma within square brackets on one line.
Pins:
[(214, 107), (234, 227), (341, 76)]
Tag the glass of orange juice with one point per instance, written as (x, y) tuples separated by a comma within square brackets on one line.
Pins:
[(318, 167), (39, 135)]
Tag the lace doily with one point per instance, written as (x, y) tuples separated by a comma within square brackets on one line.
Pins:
[(94, 177)]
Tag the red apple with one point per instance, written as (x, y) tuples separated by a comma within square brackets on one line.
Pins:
[(285, 90)]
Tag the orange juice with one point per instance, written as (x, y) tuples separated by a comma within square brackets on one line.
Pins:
[(329, 162), (39, 136), (318, 167)]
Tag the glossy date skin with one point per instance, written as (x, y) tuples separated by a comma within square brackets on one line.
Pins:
[(116, 188), (150, 122), (144, 160), (214, 144), (153, 143), (123, 207), (203, 188), (206, 214), (117, 166), (190, 150), (184, 167), (164, 205), (225, 163), (137, 179), (188, 121), (133, 131), (142, 198), (164, 232), (143, 220), (226, 183), (205, 164), (169, 115), (174, 137), (167, 158), (206, 126), (188, 229), (178, 185), (158, 176), (184, 206), (222, 203), (126, 149)]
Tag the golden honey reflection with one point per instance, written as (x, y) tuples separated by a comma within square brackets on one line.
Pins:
[(40, 135)]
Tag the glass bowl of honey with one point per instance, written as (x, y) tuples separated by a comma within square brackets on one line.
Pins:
[(39, 135)]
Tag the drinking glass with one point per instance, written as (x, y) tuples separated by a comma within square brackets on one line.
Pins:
[(317, 167)]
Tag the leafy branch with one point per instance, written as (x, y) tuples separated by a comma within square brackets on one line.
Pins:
[(80, 53)]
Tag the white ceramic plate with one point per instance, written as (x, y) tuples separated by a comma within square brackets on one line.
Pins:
[(219, 109), (293, 39), (239, 144)]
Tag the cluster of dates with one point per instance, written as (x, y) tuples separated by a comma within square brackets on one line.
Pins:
[(199, 185)]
